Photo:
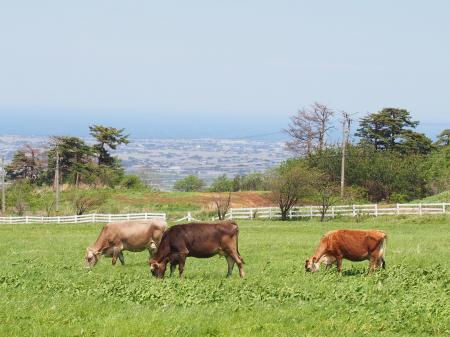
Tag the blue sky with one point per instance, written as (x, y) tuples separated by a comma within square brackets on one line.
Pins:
[(217, 68)]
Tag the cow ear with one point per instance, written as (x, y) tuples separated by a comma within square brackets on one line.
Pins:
[(154, 265)]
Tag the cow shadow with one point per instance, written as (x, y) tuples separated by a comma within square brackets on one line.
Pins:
[(355, 272)]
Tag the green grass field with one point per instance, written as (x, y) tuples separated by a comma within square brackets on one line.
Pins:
[(46, 291)]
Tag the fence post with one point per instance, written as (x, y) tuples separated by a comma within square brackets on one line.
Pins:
[(26, 219), (443, 207), (311, 211), (332, 212), (290, 213), (231, 214), (398, 208), (376, 209), (251, 213), (354, 210), (59, 219), (270, 212), (420, 209), (145, 216)]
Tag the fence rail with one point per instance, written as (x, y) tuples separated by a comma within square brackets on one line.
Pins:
[(252, 213), (80, 218), (334, 211)]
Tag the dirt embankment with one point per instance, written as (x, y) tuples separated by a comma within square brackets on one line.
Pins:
[(201, 199)]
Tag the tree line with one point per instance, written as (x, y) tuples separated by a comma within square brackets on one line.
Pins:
[(79, 163), (389, 161)]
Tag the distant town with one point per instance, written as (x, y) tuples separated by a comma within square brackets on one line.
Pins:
[(161, 162)]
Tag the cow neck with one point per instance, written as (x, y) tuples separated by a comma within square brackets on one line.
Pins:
[(320, 251), (162, 253), (100, 245)]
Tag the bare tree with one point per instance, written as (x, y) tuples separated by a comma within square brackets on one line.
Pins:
[(222, 202), (20, 206), (289, 183), (309, 128), (325, 192)]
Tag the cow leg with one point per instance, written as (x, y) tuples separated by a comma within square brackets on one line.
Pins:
[(181, 262), (373, 263), (381, 263), (121, 258), (339, 263), (115, 255), (230, 262), (173, 266), (173, 259), (239, 262)]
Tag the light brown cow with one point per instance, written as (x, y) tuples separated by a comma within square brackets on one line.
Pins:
[(132, 235), (353, 245)]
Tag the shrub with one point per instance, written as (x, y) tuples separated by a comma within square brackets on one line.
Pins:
[(133, 182), (191, 183)]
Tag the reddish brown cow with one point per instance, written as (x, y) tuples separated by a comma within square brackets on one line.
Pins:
[(132, 235), (353, 245), (200, 240)]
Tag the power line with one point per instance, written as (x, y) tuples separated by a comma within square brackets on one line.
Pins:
[(257, 135)]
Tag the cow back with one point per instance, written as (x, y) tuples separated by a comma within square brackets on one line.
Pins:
[(354, 245), (197, 239)]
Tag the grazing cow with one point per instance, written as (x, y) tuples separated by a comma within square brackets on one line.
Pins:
[(201, 240), (132, 235), (353, 245)]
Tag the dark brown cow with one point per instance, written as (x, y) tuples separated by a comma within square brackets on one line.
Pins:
[(132, 235), (353, 245), (200, 240)]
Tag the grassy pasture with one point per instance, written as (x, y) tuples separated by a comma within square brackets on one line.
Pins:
[(46, 291)]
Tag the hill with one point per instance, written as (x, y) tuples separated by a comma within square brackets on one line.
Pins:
[(441, 197), (41, 201)]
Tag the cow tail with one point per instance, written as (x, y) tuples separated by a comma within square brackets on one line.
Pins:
[(237, 242), (383, 250)]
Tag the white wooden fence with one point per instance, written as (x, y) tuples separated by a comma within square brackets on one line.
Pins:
[(80, 218), (347, 210)]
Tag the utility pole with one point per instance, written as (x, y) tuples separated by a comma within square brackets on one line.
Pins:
[(57, 182), (345, 130), (3, 186)]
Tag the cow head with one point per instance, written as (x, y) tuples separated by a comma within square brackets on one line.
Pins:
[(153, 247), (312, 265), (91, 257), (157, 269)]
